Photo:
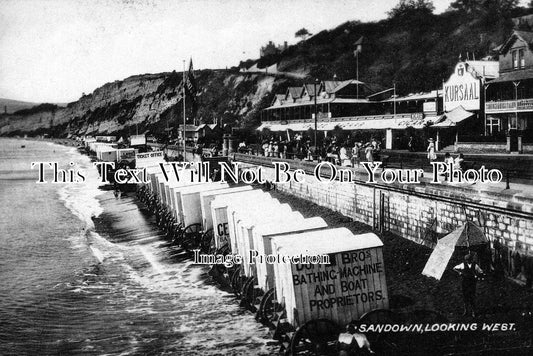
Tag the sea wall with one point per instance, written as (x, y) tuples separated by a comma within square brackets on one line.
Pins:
[(418, 212)]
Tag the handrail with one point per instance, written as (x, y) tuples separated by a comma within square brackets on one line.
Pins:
[(457, 199)]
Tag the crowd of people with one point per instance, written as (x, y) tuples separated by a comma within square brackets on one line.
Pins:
[(348, 153)]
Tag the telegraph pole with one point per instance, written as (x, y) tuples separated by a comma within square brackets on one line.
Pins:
[(184, 117)]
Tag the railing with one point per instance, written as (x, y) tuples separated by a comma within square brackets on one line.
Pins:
[(414, 116), (492, 107), (309, 166)]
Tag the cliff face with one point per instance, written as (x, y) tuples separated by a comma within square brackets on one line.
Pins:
[(414, 50), (149, 102)]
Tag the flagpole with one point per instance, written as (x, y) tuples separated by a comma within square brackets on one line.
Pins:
[(394, 98), (184, 117)]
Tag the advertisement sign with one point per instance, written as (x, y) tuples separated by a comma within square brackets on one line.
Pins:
[(429, 107), (106, 138), (353, 284), (148, 158), (127, 154), (138, 140), (462, 89)]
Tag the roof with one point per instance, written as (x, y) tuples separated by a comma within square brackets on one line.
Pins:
[(338, 240), (320, 101), (310, 89), (417, 96), (514, 75), (223, 200), (487, 69), (295, 92), (330, 85), (202, 126), (187, 128), (285, 227), (345, 83), (212, 126), (526, 36)]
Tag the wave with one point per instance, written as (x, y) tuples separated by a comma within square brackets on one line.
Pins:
[(81, 200)]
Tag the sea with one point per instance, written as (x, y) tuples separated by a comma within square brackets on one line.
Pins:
[(85, 272)]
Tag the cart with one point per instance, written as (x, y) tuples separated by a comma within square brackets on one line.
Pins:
[(320, 299), (262, 236)]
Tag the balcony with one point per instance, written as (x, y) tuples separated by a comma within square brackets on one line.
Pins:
[(520, 105)]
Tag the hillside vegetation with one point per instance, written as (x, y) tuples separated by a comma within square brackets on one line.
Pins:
[(413, 48)]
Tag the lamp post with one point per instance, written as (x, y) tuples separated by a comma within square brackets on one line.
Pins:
[(358, 49), (485, 87), (316, 117)]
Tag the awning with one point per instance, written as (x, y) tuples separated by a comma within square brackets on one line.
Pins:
[(383, 124), (401, 122), (445, 123), (458, 114), (453, 117), (264, 125), (276, 127)]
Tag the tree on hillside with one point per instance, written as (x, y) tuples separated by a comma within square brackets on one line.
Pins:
[(486, 7), (411, 7), (302, 33)]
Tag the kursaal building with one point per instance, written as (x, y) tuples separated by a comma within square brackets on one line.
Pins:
[(484, 105)]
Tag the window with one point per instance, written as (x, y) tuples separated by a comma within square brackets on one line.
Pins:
[(493, 126), (518, 58), (513, 123)]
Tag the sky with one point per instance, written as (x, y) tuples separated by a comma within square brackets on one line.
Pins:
[(55, 50)]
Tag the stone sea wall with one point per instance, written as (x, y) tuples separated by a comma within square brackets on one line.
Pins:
[(419, 212)]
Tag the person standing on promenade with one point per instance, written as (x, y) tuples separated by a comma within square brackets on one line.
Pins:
[(355, 154), (369, 153), (431, 151), (470, 273), (411, 144)]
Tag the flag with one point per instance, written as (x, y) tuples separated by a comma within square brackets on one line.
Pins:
[(190, 89), (188, 85), (190, 82)]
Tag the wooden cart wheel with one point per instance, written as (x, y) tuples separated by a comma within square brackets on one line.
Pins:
[(316, 337), (207, 243), (237, 282), (177, 235), (269, 309), (251, 295), (192, 236), (381, 342)]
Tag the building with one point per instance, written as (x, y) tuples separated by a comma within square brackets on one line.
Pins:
[(333, 99), (352, 106), (451, 115), (271, 49), (194, 133), (462, 121), (509, 102)]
